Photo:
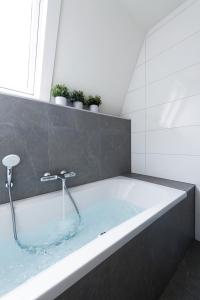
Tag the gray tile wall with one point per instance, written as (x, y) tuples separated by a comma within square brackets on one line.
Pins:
[(51, 138)]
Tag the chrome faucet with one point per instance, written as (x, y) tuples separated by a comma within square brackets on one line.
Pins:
[(62, 175)]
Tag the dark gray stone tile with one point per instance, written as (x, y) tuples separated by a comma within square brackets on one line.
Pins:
[(185, 284), (115, 124), (51, 138), (61, 116), (11, 141), (75, 151), (115, 154), (22, 111), (90, 287)]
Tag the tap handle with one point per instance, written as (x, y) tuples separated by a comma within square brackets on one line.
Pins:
[(48, 177), (70, 174)]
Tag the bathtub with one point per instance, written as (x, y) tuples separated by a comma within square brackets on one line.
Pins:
[(154, 200)]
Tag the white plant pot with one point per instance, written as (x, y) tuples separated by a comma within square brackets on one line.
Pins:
[(78, 104), (61, 100), (94, 108)]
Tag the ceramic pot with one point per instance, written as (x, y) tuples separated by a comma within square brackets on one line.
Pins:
[(78, 104), (61, 100), (94, 108)]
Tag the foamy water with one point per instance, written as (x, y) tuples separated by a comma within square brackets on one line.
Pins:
[(17, 265)]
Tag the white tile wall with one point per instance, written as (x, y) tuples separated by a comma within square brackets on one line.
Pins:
[(137, 121), (178, 29), (174, 114), (138, 142), (163, 101), (180, 56), (176, 167), (138, 79), (182, 140), (142, 56), (138, 162), (135, 100), (179, 85)]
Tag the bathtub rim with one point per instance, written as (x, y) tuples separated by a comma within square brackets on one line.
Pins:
[(52, 282)]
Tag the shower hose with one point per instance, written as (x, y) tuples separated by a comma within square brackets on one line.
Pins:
[(14, 226)]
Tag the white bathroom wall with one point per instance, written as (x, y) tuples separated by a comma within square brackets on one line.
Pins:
[(98, 45), (163, 101)]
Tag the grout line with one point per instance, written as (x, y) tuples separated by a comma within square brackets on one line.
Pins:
[(139, 65), (138, 132), (169, 18), (166, 154), (164, 128), (175, 72), (135, 89), (145, 163), (138, 153), (174, 127), (173, 46), (167, 76), (172, 154), (163, 103)]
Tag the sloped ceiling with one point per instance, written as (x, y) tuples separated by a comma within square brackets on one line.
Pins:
[(98, 44), (146, 13)]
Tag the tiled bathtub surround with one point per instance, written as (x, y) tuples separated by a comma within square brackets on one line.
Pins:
[(163, 101), (52, 138)]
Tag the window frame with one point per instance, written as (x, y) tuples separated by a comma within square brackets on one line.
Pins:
[(42, 71)]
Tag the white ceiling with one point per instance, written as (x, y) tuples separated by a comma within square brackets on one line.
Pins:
[(146, 13)]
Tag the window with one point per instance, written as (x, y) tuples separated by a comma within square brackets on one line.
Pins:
[(24, 37)]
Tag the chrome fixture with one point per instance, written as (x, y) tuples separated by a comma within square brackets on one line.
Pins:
[(63, 175), (10, 161), (13, 160)]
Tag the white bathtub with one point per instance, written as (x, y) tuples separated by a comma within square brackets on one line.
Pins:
[(53, 281)]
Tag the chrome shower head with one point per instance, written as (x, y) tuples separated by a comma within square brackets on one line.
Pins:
[(11, 161)]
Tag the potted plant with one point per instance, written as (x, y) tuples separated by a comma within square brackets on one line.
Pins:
[(61, 93), (78, 99), (93, 103)]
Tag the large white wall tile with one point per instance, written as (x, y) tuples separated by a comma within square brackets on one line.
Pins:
[(142, 56), (182, 140), (185, 24), (165, 113), (135, 100), (138, 79), (179, 85), (138, 121), (138, 142), (138, 163), (174, 114), (175, 167), (179, 57)]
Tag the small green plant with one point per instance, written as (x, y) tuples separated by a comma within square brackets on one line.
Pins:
[(96, 100), (77, 96), (60, 90)]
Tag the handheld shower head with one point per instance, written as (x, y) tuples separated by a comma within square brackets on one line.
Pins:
[(9, 162)]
